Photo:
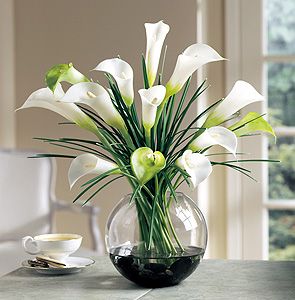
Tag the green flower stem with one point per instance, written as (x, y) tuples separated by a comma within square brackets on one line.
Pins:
[(164, 227), (161, 230), (172, 227), (160, 108), (155, 199), (143, 209), (177, 182), (128, 139), (159, 112), (161, 239), (147, 132), (142, 226)]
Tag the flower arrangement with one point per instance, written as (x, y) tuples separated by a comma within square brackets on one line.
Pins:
[(155, 153)]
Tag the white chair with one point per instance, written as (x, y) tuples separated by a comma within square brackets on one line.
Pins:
[(28, 203)]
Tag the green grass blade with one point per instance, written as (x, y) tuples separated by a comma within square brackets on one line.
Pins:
[(98, 178), (229, 165), (41, 155), (144, 73), (253, 160)]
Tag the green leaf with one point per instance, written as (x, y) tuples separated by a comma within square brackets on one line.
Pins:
[(252, 122), (144, 72), (41, 155), (63, 72), (146, 164)]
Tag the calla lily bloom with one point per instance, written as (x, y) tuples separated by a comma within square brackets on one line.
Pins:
[(187, 63), (122, 73), (63, 72), (216, 135), (146, 164), (95, 96), (151, 99), (89, 164), (251, 123), (155, 36), (197, 165), (241, 95), (45, 98)]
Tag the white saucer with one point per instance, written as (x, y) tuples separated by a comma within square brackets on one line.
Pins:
[(74, 265)]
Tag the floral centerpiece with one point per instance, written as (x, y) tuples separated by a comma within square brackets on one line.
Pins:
[(154, 152)]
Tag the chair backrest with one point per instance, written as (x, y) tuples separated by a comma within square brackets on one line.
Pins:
[(25, 187)]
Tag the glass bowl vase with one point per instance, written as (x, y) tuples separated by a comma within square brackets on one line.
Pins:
[(178, 250)]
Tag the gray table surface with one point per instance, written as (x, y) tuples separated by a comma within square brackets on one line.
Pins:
[(214, 279)]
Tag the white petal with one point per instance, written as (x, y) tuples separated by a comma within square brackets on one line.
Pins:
[(79, 92), (204, 52), (88, 164), (197, 165), (151, 98), (155, 36), (122, 73), (217, 135), (58, 92), (44, 98), (241, 95), (187, 63), (95, 96), (154, 95)]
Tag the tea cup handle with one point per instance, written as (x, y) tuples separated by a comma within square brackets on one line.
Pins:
[(29, 241)]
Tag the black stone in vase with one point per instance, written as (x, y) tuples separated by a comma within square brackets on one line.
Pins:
[(155, 272)]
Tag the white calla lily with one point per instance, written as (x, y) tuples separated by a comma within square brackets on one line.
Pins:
[(95, 96), (241, 95), (87, 163), (197, 165), (216, 135), (155, 36), (151, 98), (63, 72), (122, 73), (45, 98), (188, 62)]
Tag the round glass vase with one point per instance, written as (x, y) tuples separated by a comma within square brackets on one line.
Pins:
[(177, 245)]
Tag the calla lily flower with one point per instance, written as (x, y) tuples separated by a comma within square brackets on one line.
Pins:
[(89, 164), (122, 73), (187, 63), (197, 165), (241, 95), (146, 164), (151, 99), (251, 123), (155, 36), (216, 135), (95, 96), (63, 72), (45, 98)]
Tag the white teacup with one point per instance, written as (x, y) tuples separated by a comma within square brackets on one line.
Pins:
[(55, 245)]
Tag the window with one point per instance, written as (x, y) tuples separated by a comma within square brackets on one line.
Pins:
[(261, 49), (279, 56)]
